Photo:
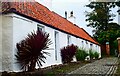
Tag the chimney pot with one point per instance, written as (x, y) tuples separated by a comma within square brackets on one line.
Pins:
[(71, 13), (66, 14)]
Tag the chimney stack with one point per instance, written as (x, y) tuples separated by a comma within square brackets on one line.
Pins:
[(66, 14), (71, 14), (72, 18)]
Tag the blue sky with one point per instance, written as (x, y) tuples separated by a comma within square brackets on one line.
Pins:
[(77, 6)]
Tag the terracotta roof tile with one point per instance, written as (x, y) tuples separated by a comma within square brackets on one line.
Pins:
[(41, 13)]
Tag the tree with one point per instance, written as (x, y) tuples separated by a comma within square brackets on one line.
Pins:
[(101, 15), (101, 18), (30, 50)]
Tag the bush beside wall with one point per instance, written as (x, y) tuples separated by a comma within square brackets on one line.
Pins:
[(93, 54), (81, 54), (67, 53)]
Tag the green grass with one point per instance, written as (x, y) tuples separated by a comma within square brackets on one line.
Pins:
[(66, 68), (56, 70)]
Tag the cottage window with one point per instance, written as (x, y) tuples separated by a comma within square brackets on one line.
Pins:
[(41, 28), (56, 44), (86, 42), (91, 45), (69, 39), (82, 43), (96, 47)]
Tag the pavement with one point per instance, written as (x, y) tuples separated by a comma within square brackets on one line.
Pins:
[(104, 66)]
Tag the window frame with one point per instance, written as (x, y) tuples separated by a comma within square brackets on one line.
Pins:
[(40, 27), (68, 39), (56, 34)]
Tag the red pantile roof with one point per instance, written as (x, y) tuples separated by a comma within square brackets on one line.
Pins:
[(41, 13)]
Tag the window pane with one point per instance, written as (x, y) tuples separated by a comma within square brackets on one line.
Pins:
[(56, 44), (39, 27), (69, 39)]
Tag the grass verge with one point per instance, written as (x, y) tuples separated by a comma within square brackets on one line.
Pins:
[(54, 70), (64, 69)]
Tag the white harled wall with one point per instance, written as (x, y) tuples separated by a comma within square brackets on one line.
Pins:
[(16, 29), (21, 28), (0, 42), (7, 43)]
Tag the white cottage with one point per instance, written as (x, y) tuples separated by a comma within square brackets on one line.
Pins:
[(20, 18)]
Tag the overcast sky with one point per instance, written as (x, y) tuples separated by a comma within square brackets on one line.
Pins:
[(78, 8)]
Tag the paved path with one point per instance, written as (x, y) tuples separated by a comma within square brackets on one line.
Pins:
[(102, 66)]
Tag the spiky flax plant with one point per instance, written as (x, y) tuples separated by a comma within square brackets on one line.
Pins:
[(30, 51)]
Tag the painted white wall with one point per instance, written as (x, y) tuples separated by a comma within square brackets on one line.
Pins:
[(72, 19), (77, 41), (51, 60), (63, 42), (63, 38), (87, 46), (0, 42), (16, 28), (73, 40), (7, 42), (99, 50), (80, 43), (21, 28)]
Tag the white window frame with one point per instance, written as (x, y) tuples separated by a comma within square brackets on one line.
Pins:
[(68, 39), (82, 44), (40, 27), (91, 46), (56, 34)]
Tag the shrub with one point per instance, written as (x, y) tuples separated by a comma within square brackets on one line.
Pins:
[(81, 54), (30, 50), (91, 54), (67, 53), (96, 55)]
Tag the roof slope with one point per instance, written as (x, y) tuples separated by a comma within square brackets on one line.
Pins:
[(41, 13)]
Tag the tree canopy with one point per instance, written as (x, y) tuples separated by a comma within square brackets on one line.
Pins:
[(101, 18)]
